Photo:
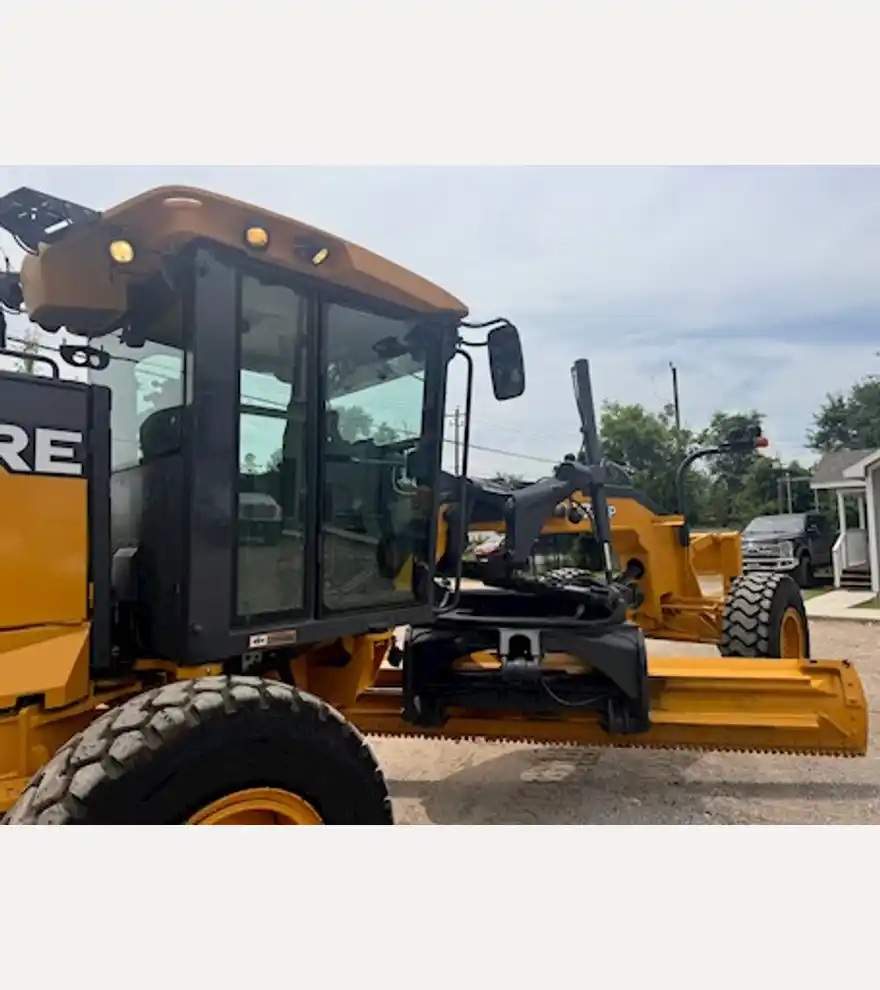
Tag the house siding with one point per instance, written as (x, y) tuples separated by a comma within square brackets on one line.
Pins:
[(872, 489)]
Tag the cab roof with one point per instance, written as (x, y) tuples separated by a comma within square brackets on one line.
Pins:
[(183, 213)]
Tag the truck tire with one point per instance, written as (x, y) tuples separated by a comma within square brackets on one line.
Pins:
[(214, 751), (764, 616), (803, 573)]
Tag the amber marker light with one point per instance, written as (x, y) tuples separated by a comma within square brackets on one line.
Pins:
[(122, 252), (257, 238)]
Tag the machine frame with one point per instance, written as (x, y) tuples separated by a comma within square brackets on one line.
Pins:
[(261, 723)]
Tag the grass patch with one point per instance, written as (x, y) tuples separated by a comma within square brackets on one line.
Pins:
[(870, 603), (809, 593)]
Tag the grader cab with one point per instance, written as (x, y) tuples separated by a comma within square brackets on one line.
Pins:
[(227, 495)]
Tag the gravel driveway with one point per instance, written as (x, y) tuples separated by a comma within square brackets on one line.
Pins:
[(450, 783)]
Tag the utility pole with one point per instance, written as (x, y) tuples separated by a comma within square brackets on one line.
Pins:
[(456, 420), (675, 402), (784, 490)]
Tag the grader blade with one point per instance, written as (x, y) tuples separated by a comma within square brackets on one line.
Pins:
[(805, 707), (786, 706)]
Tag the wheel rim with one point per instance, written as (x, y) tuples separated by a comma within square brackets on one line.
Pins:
[(793, 640), (258, 806)]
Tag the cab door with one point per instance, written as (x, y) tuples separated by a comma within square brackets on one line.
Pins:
[(380, 404)]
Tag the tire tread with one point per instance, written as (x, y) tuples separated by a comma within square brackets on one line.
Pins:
[(134, 732)]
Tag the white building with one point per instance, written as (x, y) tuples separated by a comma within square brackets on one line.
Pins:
[(854, 477)]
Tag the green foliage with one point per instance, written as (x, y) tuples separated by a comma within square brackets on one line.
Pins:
[(740, 485), (30, 348), (645, 445), (850, 421), (650, 448), (721, 490), (355, 423)]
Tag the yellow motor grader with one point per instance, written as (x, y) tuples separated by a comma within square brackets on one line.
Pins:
[(657, 555), (225, 495)]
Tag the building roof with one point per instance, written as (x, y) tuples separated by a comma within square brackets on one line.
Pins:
[(829, 471), (859, 470)]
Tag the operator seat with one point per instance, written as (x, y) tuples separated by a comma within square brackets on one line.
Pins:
[(161, 433)]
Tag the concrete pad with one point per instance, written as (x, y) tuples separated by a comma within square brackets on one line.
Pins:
[(841, 604), (841, 598)]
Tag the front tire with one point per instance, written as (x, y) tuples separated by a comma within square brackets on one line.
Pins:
[(764, 616), (804, 574), (225, 750)]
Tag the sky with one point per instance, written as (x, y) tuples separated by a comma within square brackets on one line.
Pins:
[(759, 283)]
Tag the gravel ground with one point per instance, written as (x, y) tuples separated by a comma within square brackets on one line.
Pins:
[(450, 783)]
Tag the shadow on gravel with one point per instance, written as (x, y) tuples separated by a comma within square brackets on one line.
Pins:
[(551, 787)]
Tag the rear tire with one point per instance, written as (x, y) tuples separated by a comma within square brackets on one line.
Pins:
[(171, 754), (763, 616)]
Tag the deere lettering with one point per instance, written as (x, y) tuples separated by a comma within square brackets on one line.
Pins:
[(588, 508), (39, 450)]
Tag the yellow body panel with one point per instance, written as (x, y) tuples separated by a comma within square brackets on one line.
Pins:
[(43, 550), (50, 667), (815, 707), (707, 703), (73, 282), (675, 606), (717, 554), (51, 663)]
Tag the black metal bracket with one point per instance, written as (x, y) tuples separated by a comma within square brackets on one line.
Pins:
[(11, 296), (35, 218)]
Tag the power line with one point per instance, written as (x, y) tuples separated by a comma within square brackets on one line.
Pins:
[(457, 416), (509, 453)]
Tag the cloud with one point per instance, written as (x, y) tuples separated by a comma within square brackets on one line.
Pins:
[(759, 283)]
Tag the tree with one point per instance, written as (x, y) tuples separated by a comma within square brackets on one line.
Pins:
[(385, 434), (648, 445), (355, 423), (736, 479), (30, 348), (506, 478), (158, 391), (732, 466), (802, 496), (850, 421), (722, 490)]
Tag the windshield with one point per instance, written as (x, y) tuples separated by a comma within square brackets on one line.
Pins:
[(776, 526), (379, 399)]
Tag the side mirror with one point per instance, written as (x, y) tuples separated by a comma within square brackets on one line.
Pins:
[(506, 363)]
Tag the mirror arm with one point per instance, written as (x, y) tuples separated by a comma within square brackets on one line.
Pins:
[(460, 536)]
